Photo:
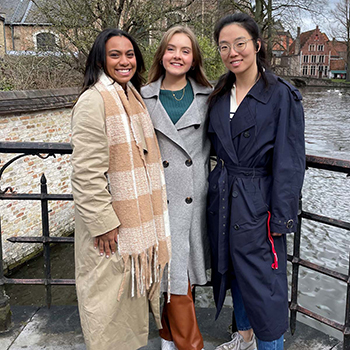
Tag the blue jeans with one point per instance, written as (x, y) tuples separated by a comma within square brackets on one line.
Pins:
[(243, 323)]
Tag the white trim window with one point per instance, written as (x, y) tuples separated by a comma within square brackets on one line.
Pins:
[(320, 47), (305, 70), (45, 40), (306, 59), (313, 70), (312, 47)]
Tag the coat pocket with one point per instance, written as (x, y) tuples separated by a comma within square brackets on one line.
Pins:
[(248, 204)]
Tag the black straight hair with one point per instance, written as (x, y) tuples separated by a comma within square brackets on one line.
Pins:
[(226, 81), (96, 59)]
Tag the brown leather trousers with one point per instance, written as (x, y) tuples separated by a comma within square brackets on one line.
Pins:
[(179, 322)]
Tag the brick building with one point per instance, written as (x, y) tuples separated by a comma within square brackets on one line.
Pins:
[(25, 31), (338, 59), (314, 50), (312, 54)]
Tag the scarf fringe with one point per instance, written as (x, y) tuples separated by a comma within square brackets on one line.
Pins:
[(146, 273)]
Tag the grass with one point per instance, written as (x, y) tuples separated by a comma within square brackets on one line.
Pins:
[(340, 81)]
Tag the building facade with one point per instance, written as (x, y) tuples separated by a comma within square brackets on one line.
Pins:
[(313, 55), (314, 51), (25, 31)]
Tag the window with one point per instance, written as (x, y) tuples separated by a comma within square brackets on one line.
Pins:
[(304, 70), (306, 59), (45, 42), (320, 48), (312, 47), (321, 59), (313, 58), (325, 70), (313, 70)]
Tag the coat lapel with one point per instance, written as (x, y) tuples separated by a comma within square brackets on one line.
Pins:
[(193, 115), (243, 119), (220, 121), (162, 123)]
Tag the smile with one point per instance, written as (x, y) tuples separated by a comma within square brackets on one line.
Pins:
[(236, 62), (176, 64), (123, 71)]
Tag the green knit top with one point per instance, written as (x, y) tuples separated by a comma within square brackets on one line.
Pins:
[(176, 107)]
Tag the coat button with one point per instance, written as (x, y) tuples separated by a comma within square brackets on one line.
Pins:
[(188, 162), (234, 194), (167, 201), (165, 164), (145, 151), (236, 227), (246, 134), (188, 200), (290, 223), (197, 126)]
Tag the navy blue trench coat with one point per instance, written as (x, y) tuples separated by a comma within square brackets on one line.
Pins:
[(254, 190)]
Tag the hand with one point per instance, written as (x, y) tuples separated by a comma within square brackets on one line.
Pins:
[(106, 243), (276, 234)]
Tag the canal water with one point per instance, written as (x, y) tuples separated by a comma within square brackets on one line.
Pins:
[(327, 116)]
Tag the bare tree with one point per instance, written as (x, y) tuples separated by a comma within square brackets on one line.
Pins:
[(341, 28), (79, 21), (269, 12)]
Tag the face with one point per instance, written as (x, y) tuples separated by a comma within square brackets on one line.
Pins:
[(178, 56), (243, 61), (120, 59)]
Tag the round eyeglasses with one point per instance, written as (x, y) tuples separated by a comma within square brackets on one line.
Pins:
[(239, 46)]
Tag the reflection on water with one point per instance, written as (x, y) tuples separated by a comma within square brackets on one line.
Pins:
[(327, 128), (327, 134)]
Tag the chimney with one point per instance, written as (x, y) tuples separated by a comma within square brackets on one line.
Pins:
[(297, 42)]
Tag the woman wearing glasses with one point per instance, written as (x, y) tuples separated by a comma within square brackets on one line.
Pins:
[(256, 125)]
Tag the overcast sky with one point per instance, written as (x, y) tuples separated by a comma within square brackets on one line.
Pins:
[(324, 23)]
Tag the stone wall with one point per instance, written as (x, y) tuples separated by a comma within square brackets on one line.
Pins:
[(34, 116)]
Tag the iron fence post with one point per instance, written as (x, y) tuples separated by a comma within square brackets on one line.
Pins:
[(346, 340), (46, 243), (5, 311), (295, 271)]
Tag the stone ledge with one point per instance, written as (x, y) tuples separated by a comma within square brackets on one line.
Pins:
[(36, 100)]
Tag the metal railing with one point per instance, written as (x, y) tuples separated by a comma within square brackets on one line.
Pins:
[(51, 149)]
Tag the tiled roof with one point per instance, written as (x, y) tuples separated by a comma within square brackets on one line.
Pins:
[(339, 46), (303, 39), (20, 12), (337, 64)]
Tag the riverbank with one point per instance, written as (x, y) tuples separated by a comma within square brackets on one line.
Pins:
[(300, 81), (59, 328)]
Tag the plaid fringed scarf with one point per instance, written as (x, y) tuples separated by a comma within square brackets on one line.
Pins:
[(137, 186)]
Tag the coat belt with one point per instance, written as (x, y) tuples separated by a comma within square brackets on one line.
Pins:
[(228, 173)]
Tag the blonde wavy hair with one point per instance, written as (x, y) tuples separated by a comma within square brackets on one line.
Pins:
[(196, 72)]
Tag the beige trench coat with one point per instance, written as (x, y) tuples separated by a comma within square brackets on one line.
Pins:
[(107, 324)]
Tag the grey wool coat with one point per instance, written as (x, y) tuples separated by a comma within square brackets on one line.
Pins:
[(185, 151)]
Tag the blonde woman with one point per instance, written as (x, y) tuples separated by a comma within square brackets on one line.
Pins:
[(176, 98)]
